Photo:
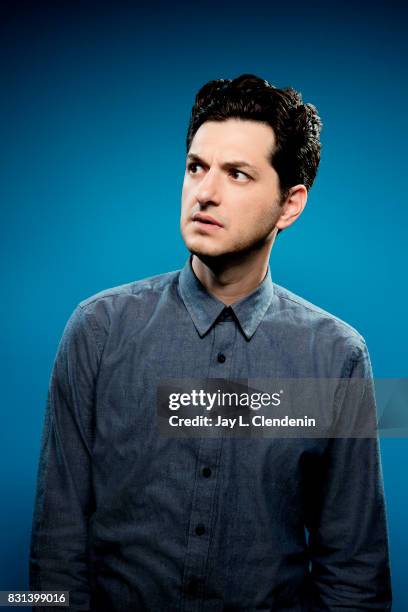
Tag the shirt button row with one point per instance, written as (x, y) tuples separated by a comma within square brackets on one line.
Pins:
[(221, 357)]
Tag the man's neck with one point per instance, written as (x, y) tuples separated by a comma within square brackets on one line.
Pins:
[(231, 280)]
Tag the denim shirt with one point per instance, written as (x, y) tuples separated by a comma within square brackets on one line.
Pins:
[(128, 520)]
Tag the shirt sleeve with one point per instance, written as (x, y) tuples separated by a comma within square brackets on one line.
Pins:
[(348, 536), (64, 498)]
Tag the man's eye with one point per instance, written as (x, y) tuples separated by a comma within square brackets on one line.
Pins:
[(240, 176), (192, 167)]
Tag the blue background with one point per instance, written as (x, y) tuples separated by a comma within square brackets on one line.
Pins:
[(95, 100)]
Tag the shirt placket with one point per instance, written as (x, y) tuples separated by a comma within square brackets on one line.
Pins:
[(204, 503)]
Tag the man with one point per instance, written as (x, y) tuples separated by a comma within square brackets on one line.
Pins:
[(128, 519)]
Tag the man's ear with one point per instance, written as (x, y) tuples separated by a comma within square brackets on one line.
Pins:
[(293, 206)]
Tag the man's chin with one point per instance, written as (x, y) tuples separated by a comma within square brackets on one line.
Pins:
[(202, 248), (202, 251)]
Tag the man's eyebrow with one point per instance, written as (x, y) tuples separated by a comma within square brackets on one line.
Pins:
[(225, 165)]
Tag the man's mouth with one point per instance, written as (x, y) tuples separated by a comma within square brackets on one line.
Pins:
[(203, 219)]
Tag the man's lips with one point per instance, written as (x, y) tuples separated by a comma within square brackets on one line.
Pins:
[(206, 220)]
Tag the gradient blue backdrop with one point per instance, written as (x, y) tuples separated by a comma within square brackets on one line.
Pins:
[(95, 99)]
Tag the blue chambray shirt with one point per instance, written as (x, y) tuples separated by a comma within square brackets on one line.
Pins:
[(128, 520)]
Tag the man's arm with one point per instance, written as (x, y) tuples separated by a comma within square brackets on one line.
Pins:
[(64, 499), (348, 539)]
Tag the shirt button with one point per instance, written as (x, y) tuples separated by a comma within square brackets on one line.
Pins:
[(193, 585), (206, 472), (200, 529), (221, 357)]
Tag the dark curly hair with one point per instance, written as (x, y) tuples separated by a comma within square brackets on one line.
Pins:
[(296, 125)]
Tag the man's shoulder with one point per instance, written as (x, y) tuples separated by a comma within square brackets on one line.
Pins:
[(128, 305), (139, 288), (304, 312)]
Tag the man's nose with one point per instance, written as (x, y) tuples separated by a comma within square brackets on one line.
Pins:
[(208, 191)]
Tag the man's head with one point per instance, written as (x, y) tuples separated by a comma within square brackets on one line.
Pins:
[(274, 136)]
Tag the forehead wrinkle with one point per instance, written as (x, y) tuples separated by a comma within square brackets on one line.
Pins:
[(237, 140)]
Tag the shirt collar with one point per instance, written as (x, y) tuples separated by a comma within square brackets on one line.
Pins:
[(205, 308)]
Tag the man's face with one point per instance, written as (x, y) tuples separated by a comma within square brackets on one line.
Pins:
[(230, 181)]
